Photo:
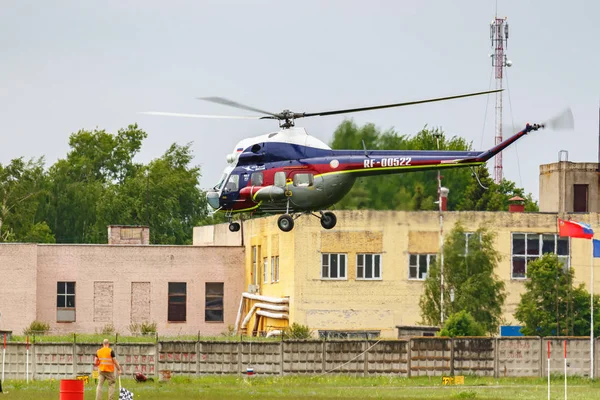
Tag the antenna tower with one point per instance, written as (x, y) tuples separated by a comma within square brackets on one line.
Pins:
[(499, 38)]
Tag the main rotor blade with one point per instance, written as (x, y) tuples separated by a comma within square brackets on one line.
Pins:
[(351, 110), (231, 103), (198, 115)]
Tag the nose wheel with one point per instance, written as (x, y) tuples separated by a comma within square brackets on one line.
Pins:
[(234, 226)]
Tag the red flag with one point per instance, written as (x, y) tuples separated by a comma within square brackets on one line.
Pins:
[(575, 229)]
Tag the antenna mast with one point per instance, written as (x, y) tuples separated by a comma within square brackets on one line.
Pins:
[(499, 38)]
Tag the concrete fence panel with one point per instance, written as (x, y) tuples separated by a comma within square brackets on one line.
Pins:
[(578, 356), (345, 357), (263, 358), (177, 357), (219, 358), (474, 356), (84, 358), (137, 357), (388, 358), (303, 357), (519, 356), (15, 362), (430, 356), (54, 360)]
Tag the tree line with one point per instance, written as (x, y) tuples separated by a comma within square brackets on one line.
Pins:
[(97, 184)]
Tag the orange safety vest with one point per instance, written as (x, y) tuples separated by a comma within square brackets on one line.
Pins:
[(106, 362)]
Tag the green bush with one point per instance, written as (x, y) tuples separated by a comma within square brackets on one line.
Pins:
[(148, 328), (108, 329), (37, 328), (297, 331), (462, 324)]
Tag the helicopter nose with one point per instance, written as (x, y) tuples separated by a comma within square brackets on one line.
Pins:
[(213, 199)]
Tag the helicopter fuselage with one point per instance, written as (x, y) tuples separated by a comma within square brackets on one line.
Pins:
[(291, 172)]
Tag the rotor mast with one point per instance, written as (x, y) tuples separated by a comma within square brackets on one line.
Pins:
[(499, 38)]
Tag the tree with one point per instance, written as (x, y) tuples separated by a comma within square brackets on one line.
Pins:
[(461, 324), (22, 184), (164, 195), (551, 305), (470, 273), (494, 197), (418, 190)]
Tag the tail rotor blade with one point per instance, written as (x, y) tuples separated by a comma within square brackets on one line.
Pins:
[(562, 121)]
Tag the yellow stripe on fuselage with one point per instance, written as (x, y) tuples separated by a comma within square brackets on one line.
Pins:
[(435, 166)]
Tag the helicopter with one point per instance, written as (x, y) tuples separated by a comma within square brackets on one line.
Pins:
[(292, 173)]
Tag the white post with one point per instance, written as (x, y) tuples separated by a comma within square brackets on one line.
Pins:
[(565, 346), (548, 370), (592, 310), (27, 362), (3, 356), (441, 241)]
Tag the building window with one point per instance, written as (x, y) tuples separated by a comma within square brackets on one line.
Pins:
[(265, 269), (255, 265), (418, 266), (275, 269), (177, 300), (256, 179), (65, 302), (368, 266), (333, 266), (213, 306), (527, 247), (580, 198), (470, 238)]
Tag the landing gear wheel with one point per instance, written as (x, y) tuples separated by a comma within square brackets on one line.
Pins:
[(328, 220), (285, 223), (234, 226)]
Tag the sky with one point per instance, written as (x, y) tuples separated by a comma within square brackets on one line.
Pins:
[(72, 65)]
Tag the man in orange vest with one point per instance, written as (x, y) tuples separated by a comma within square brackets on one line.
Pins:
[(106, 361)]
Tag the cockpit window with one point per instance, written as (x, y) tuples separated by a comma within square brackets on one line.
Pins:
[(221, 182), (233, 183)]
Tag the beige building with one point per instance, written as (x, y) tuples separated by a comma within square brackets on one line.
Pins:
[(569, 187), (83, 288), (365, 276)]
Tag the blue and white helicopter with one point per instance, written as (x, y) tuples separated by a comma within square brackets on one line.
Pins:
[(291, 173)]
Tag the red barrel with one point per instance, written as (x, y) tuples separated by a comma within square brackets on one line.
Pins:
[(71, 389)]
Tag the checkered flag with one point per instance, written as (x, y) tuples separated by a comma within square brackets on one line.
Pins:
[(124, 394)]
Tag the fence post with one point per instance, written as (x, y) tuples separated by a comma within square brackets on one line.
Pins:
[(74, 353), (366, 358), (451, 356), (408, 356), (323, 344), (239, 355), (281, 358), (198, 356), (496, 361)]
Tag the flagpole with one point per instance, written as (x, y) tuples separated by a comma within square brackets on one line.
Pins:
[(592, 311)]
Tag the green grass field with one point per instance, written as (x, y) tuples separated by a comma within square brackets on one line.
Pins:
[(323, 387)]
